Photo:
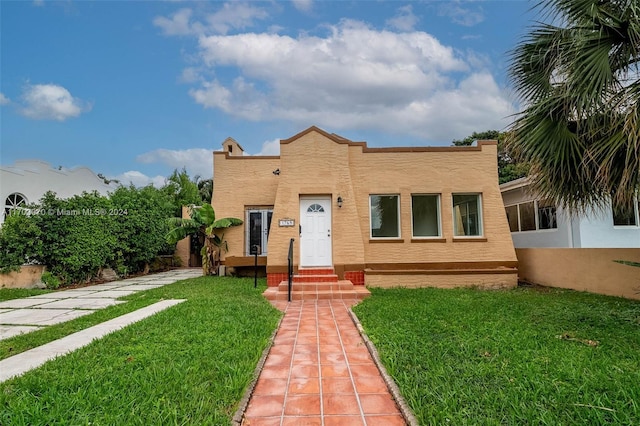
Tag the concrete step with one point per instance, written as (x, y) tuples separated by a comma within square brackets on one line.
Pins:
[(343, 289), (315, 271), (308, 278), (317, 286)]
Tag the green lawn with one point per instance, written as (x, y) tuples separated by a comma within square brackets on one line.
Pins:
[(525, 356), (189, 364), (18, 293)]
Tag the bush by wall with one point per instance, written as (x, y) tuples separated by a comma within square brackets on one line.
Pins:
[(76, 237)]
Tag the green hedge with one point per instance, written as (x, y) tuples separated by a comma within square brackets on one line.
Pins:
[(75, 237)]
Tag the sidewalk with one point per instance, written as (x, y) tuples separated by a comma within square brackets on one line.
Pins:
[(19, 316), (319, 372)]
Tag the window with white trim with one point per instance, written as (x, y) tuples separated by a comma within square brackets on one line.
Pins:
[(425, 215), (467, 215), (385, 216), (532, 216), (258, 222), (14, 201)]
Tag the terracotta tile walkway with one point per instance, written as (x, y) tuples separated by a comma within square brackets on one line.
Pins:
[(319, 372)]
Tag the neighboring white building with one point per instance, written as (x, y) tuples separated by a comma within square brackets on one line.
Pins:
[(536, 223), (26, 181)]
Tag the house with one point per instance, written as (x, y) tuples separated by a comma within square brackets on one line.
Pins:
[(26, 181), (415, 216), (534, 222)]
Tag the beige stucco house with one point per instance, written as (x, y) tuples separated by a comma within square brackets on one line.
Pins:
[(415, 216)]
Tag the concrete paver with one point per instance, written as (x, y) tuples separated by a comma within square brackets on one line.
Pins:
[(23, 315), (7, 331), (22, 303), (25, 361), (39, 316), (113, 294), (141, 287), (81, 303), (64, 294)]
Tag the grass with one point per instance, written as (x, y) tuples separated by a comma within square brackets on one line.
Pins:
[(523, 356), (189, 364), (19, 293)]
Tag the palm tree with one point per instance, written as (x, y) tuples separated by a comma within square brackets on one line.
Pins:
[(203, 223), (578, 79)]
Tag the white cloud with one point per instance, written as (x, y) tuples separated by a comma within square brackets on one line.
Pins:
[(178, 24), (303, 5), (197, 161), (404, 20), (138, 179), (3, 99), (270, 147), (51, 102), (465, 16), (234, 15), (355, 77), (190, 75)]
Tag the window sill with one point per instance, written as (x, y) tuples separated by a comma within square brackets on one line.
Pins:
[(386, 240), (469, 240), (429, 240)]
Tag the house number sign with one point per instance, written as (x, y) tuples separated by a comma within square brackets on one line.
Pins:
[(285, 223)]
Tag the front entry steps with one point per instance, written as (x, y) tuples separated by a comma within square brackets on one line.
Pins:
[(316, 284)]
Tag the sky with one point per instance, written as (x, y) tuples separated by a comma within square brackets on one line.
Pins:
[(136, 89)]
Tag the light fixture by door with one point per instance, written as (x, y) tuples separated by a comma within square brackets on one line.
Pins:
[(339, 200)]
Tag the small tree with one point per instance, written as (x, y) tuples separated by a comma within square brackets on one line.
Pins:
[(203, 223)]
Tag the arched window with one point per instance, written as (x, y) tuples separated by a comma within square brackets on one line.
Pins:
[(315, 208), (14, 201)]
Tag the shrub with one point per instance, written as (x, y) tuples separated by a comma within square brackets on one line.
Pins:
[(20, 242), (50, 281)]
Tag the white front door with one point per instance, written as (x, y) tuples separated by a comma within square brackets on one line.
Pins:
[(315, 231)]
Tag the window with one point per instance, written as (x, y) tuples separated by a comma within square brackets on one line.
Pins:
[(257, 230), (425, 215), (14, 201), (532, 216), (385, 216), (546, 215), (467, 215), (512, 218), (315, 208), (527, 216), (629, 218)]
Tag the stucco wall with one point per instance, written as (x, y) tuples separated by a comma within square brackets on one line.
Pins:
[(241, 181), (27, 277), (583, 269), (597, 230), (439, 171)]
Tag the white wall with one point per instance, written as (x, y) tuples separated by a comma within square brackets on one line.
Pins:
[(32, 178), (597, 231), (592, 230)]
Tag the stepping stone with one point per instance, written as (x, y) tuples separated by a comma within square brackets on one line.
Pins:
[(22, 303), (40, 316), (85, 303), (7, 331), (112, 294)]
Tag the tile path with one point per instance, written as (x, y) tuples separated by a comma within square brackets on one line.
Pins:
[(319, 372)]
